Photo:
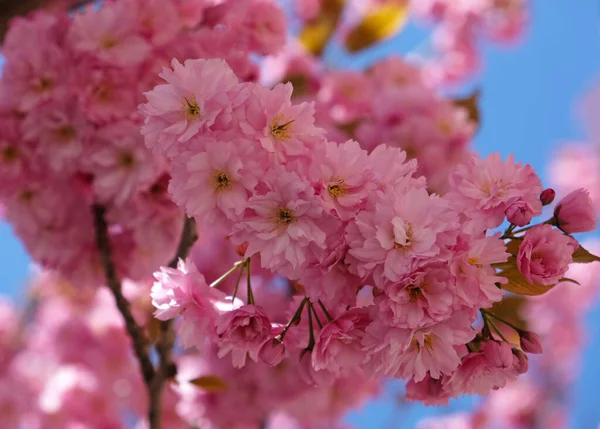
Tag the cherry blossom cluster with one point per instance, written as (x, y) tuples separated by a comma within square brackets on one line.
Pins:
[(66, 363), (390, 103), (385, 276), (458, 28), (70, 131)]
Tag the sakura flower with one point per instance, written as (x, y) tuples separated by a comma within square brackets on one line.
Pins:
[(195, 94), (60, 132), (109, 34), (545, 254), (491, 368), (484, 189), (338, 345), (575, 212), (184, 292), (284, 224), (430, 391), (345, 177), (266, 24), (242, 332), (472, 266), (120, 163), (283, 129), (159, 21), (421, 297), (414, 353), (401, 232), (214, 184)]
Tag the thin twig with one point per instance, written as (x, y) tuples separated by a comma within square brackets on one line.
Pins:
[(164, 347), (139, 340)]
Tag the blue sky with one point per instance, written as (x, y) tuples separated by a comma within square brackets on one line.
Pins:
[(527, 100)]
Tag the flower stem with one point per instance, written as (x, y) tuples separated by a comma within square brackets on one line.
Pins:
[(227, 274), (329, 318), (295, 317)]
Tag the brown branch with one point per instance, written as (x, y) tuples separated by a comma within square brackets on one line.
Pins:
[(164, 346), (139, 340)]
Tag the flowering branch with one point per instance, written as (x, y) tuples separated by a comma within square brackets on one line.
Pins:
[(164, 346), (139, 340)]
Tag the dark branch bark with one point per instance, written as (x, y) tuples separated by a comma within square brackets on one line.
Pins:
[(164, 346), (140, 343), (11, 8)]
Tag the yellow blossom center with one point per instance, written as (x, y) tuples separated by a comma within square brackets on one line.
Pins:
[(337, 190), (108, 42), (191, 108), (285, 216), (222, 182), (127, 160), (414, 292), (43, 85), (66, 133), (10, 154), (280, 129)]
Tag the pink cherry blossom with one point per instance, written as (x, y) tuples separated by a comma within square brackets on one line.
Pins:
[(545, 254), (184, 292), (484, 189), (419, 298), (195, 94), (284, 224), (575, 212), (338, 345), (109, 34), (242, 332), (414, 353), (282, 128), (120, 163), (214, 179), (345, 178), (491, 368), (400, 232), (519, 213)]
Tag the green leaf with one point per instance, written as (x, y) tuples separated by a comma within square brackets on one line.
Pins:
[(582, 256), (471, 105), (316, 34), (210, 383), (509, 309), (519, 285), (381, 23)]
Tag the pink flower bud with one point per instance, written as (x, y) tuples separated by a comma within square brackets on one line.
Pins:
[(519, 213), (522, 361), (530, 342), (547, 196), (498, 354), (272, 352), (575, 212)]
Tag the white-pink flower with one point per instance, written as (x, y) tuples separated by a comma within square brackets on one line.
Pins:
[(284, 223), (399, 233), (196, 92), (214, 178), (242, 332), (338, 345)]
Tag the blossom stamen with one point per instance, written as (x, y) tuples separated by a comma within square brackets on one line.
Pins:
[(222, 181), (281, 131), (191, 108)]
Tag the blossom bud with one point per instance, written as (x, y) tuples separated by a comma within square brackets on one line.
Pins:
[(272, 352), (522, 362), (575, 212), (547, 196), (530, 342), (519, 213), (498, 354), (242, 248)]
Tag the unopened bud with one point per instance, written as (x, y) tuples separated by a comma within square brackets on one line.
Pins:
[(242, 248), (530, 342), (522, 362), (519, 213), (547, 196), (272, 352)]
